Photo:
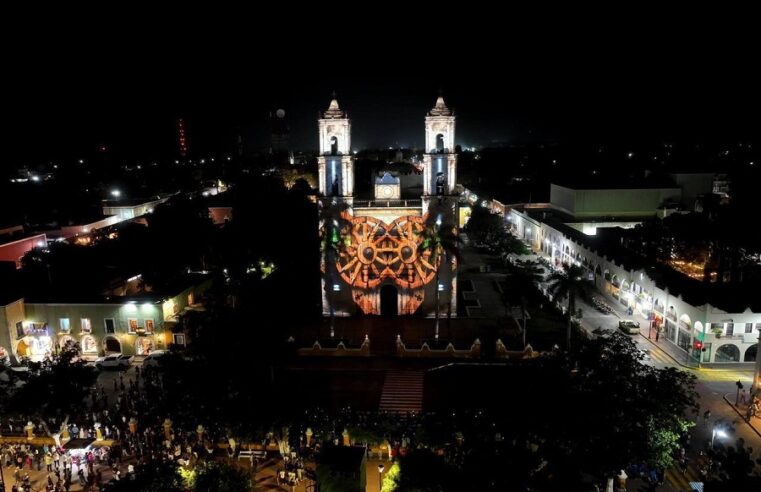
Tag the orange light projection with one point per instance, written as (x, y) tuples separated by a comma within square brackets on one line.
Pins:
[(378, 251)]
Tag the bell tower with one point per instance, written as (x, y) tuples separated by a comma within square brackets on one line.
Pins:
[(335, 162), (439, 160)]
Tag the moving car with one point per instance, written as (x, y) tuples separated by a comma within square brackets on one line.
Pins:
[(629, 326), (154, 358), (113, 361)]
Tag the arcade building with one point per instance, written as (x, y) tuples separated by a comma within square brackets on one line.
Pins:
[(377, 254)]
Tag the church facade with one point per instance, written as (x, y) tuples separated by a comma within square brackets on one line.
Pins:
[(381, 254)]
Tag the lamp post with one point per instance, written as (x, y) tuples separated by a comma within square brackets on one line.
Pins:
[(380, 477)]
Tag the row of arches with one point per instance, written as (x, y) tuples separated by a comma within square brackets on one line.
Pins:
[(89, 345), (730, 352), (727, 352)]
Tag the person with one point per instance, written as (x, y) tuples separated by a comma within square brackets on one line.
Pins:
[(706, 417), (657, 333), (743, 398)]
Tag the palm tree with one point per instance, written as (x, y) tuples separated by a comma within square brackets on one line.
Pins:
[(333, 240), (568, 283), (524, 277), (439, 240)]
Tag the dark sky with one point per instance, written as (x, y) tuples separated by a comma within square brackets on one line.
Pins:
[(66, 109)]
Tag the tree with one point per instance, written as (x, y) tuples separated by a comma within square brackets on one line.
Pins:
[(221, 477), (438, 241), (419, 471), (55, 386), (570, 283), (524, 276), (622, 411), (154, 476)]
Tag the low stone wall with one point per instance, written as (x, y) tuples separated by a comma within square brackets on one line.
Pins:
[(425, 350), (502, 352), (341, 350)]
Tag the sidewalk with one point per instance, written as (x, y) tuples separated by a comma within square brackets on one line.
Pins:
[(741, 409)]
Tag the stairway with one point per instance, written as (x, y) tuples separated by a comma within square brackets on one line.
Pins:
[(402, 392)]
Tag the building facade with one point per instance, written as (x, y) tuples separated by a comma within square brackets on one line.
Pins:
[(703, 332), (128, 325), (372, 260)]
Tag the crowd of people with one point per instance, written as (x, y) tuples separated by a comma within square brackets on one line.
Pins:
[(115, 437)]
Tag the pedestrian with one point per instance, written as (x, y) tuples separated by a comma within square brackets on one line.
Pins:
[(657, 333), (706, 416), (743, 398)]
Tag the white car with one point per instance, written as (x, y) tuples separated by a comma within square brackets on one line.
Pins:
[(117, 361), (153, 359), (628, 326)]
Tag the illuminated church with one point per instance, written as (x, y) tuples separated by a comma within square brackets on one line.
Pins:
[(372, 260)]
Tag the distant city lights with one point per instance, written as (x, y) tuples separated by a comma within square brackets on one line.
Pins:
[(116, 193)]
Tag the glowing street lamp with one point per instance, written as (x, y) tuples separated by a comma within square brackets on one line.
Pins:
[(116, 193), (717, 432)]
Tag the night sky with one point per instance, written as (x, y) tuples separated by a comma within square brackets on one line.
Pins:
[(67, 110)]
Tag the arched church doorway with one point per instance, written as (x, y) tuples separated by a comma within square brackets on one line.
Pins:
[(389, 301)]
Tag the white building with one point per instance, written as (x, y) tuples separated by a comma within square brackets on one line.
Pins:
[(692, 315)]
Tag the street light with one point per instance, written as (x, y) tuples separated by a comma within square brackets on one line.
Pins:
[(717, 432), (380, 477)]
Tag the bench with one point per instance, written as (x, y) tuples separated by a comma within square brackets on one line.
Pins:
[(246, 455)]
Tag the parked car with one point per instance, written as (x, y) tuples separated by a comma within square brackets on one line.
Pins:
[(629, 326), (153, 359), (113, 361)]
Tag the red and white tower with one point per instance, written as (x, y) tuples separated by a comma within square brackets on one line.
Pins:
[(182, 140)]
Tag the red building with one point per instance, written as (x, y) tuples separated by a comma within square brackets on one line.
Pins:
[(16, 249)]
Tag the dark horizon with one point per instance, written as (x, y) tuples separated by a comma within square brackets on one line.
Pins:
[(136, 116)]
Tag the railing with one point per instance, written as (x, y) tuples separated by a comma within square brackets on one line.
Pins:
[(387, 203), (658, 308), (671, 315)]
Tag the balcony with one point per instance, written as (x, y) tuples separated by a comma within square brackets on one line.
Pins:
[(671, 315), (399, 203), (658, 308)]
